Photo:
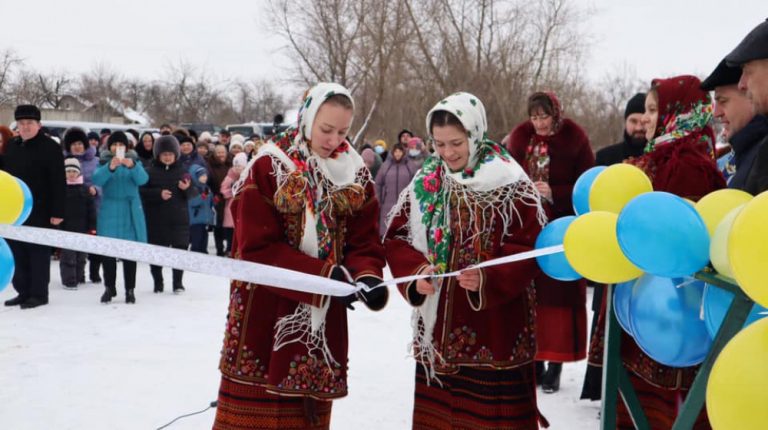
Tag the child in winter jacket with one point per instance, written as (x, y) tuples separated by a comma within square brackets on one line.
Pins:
[(166, 196), (200, 210), (79, 217), (238, 164)]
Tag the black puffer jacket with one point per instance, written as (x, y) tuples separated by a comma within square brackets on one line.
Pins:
[(167, 220)]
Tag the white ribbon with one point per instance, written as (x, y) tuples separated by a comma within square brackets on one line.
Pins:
[(230, 268)]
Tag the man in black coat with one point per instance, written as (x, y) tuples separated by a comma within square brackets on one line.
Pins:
[(38, 161), (752, 56), (634, 140), (165, 197), (742, 128)]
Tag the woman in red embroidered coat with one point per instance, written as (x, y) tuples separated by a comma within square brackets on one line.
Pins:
[(555, 151), (306, 202), (679, 160), (473, 334)]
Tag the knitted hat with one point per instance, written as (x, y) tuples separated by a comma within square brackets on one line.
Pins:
[(415, 142), (72, 164), (117, 137), (240, 160), (381, 143), (27, 112), (93, 136), (236, 144), (635, 105), (237, 138)]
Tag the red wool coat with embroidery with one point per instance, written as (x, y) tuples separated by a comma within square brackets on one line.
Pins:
[(561, 306), (265, 235), (493, 327)]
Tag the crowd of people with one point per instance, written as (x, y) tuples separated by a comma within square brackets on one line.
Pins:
[(169, 189), (482, 340)]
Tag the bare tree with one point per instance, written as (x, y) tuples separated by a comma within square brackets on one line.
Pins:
[(9, 62), (52, 88)]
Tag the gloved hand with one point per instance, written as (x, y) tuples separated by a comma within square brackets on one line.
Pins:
[(376, 298), (341, 274)]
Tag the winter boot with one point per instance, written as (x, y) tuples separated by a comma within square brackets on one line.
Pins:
[(540, 370), (178, 289), (551, 382), (129, 297), (109, 292)]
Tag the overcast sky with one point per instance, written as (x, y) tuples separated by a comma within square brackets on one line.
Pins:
[(231, 38)]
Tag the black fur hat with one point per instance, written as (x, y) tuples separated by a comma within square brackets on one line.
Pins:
[(117, 137), (75, 134), (167, 143)]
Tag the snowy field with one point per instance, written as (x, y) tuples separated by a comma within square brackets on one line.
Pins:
[(78, 364)]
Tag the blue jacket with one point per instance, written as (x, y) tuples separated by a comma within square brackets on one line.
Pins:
[(121, 215), (201, 206)]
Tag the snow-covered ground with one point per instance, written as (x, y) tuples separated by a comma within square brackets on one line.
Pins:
[(78, 364)]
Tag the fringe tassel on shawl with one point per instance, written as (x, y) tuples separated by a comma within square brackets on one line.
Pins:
[(306, 326), (498, 203)]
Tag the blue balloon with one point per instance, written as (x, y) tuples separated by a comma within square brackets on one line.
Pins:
[(28, 202), (716, 304), (663, 235), (7, 264), (664, 315), (581, 189), (622, 296), (555, 265)]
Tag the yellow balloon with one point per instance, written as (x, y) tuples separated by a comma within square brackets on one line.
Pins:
[(615, 186), (11, 199), (714, 206), (592, 249), (748, 249), (736, 386), (718, 246)]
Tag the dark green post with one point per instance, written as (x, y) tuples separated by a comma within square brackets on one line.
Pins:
[(733, 322)]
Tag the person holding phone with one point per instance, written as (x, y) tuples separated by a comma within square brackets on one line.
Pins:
[(121, 215), (166, 197)]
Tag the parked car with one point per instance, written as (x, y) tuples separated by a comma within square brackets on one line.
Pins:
[(58, 128), (200, 127)]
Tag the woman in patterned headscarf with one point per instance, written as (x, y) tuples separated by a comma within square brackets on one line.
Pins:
[(473, 334), (305, 202), (679, 159), (677, 118), (555, 151)]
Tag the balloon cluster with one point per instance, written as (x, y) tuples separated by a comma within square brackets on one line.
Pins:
[(15, 209), (650, 244)]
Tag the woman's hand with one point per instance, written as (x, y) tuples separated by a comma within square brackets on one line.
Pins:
[(424, 286), (544, 189), (127, 162), (469, 279)]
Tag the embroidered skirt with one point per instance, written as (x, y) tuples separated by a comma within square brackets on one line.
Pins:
[(477, 399), (251, 407), (561, 320), (659, 405)]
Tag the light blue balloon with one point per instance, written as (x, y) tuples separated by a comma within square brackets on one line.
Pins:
[(663, 235), (555, 265), (28, 202), (664, 315), (716, 304), (581, 189), (622, 296), (7, 264)]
